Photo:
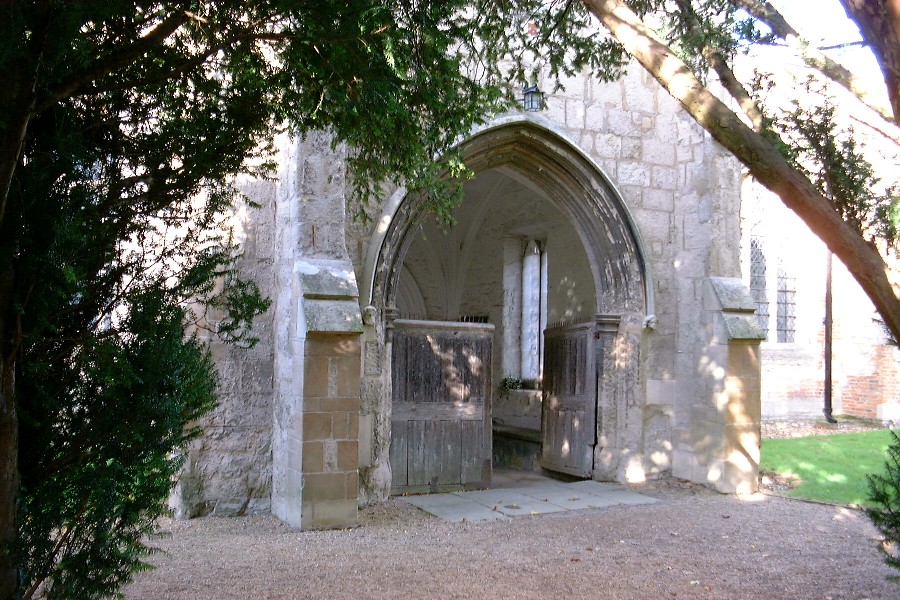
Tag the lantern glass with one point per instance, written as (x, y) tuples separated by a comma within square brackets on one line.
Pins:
[(532, 98)]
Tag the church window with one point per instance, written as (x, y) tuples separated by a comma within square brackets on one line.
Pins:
[(758, 282), (787, 290)]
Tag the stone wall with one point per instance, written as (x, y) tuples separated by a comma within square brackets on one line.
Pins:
[(719, 444), (330, 431), (229, 470), (683, 193), (317, 356), (865, 369), (670, 208)]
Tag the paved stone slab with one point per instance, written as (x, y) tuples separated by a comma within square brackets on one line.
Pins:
[(488, 498), (491, 505), (514, 503), (426, 501), (594, 487), (572, 499), (451, 508)]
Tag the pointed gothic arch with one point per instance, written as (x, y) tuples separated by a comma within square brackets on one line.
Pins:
[(573, 182), (536, 155)]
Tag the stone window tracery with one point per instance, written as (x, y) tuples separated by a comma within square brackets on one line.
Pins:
[(787, 290)]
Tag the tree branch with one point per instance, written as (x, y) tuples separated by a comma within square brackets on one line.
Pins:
[(17, 102), (879, 23), (813, 57), (726, 76), (762, 160), (121, 58)]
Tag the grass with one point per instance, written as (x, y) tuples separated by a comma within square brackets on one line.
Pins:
[(832, 468)]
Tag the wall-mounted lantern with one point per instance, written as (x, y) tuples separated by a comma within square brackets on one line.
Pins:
[(532, 98)]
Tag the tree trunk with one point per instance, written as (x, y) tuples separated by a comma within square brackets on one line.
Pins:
[(9, 435), (9, 477), (879, 23), (762, 160)]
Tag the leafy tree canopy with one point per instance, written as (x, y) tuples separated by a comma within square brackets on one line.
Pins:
[(124, 123), (122, 128), (815, 166)]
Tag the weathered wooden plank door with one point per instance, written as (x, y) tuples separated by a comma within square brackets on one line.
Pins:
[(441, 418), (569, 411)]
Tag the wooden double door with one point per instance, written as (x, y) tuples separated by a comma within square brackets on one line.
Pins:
[(441, 416), (441, 419), (569, 408)]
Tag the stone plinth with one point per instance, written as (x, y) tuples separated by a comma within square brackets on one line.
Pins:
[(720, 446), (330, 431)]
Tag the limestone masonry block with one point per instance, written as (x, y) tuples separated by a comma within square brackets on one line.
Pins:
[(640, 97), (317, 426), (633, 173), (301, 425), (631, 150), (333, 514), (324, 486), (608, 93), (665, 178), (314, 457), (315, 376), (658, 152)]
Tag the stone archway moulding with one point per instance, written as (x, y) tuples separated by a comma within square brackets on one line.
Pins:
[(530, 150), (572, 180)]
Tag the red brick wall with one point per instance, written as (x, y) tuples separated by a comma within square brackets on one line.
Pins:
[(864, 392)]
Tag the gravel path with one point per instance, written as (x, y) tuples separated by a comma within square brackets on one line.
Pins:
[(791, 428), (694, 544)]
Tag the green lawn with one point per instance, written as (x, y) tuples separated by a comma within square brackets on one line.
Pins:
[(828, 467)]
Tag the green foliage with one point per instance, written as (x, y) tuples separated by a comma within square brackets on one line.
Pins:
[(137, 118), (831, 468), (884, 495), (99, 431), (510, 382), (692, 28), (834, 161), (809, 136)]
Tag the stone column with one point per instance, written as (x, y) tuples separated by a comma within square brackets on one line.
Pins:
[(511, 352), (315, 447), (721, 446), (531, 311), (316, 467), (330, 430), (545, 295)]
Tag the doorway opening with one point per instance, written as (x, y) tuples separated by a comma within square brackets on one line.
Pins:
[(468, 350), (542, 247)]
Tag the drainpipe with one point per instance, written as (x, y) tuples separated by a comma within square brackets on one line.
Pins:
[(828, 327)]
